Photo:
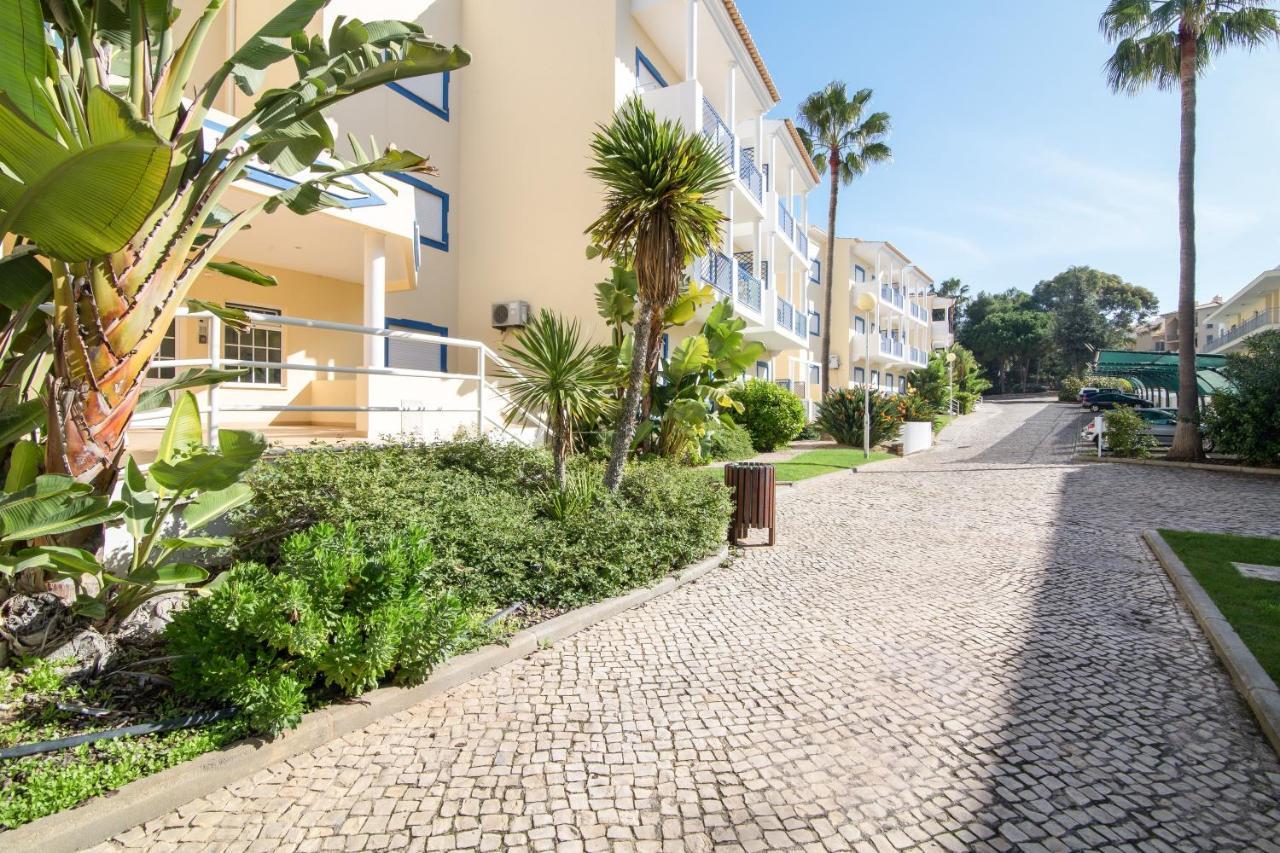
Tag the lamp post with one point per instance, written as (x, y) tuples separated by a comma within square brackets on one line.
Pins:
[(868, 303), (951, 396)]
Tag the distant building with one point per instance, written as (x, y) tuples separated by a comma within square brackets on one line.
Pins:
[(1254, 309), (1162, 333)]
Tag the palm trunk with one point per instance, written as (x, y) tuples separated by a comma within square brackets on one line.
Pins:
[(631, 400), (560, 442), (1186, 440), (827, 298)]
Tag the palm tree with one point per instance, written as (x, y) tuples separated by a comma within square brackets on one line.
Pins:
[(658, 179), (953, 288), (1169, 43), (556, 373), (843, 144), (116, 197)]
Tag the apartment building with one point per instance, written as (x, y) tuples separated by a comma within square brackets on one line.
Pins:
[(498, 233), (879, 346), (1162, 334), (1254, 309)]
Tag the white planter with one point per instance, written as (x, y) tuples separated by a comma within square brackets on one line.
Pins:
[(916, 436)]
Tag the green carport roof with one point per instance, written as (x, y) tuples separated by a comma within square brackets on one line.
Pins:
[(1160, 369)]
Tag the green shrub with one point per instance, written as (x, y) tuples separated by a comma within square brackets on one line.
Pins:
[(1244, 419), (773, 416), (1069, 388), (329, 617), (1126, 433), (729, 443), (966, 402), (914, 407), (811, 432), (500, 530), (840, 416)]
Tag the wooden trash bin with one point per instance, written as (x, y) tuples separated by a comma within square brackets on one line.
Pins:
[(754, 499)]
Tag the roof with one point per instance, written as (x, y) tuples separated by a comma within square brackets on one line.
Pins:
[(736, 16), (1160, 369), (804, 152)]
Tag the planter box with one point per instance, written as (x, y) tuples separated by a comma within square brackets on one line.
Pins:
[(916, 436)]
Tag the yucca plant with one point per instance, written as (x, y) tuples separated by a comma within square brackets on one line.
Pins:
[(557, 373), (1168, 44), (844, 142), (106, 181), (659, 182)]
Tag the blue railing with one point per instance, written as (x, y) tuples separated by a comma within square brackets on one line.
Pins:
[(802, 241), (886, 293), (786, 222), (802, 324), (1268, 317), (897, 348), (714, 128), (786, 314), (750, 291), (886, 345), (750, 175), (897, 298), (717, 270)]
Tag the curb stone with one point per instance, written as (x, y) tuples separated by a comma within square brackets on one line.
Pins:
[(145, 799), (1195, 466), (1253, 682)]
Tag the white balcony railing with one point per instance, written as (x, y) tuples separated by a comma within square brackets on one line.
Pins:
[(1260, 320)]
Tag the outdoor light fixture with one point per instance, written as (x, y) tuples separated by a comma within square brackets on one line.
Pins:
[(867, 303)]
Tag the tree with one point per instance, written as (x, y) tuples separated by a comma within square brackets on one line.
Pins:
[(1091, 310), (1011, 338), (656, 220), (954, 289), (107, 183), (843, 144), (1167, 43), (558, 374), (1242, 419)]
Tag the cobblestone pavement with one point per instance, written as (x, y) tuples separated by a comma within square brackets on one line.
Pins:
[(966, 650)]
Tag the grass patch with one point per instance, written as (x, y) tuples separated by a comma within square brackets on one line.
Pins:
[(813, 463), (1251, 605), (940, 422)]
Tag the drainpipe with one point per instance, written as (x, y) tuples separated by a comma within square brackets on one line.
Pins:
[(691, 49)]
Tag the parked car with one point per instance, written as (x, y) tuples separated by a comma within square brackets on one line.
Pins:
[(1110, 399), (1161, 425), (1086, 392)]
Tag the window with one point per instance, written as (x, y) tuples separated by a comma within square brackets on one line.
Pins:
[(430, 92), (859, 274), (260, 342), (859, 375), (432, 212), (860, 325), (902, 384), (815, 323), (815, 374), (888, 380), (762, 370), (939, 315), (416, 355), (815, 272), (168, 351), (647, 76), (875, 377), (666, 345)]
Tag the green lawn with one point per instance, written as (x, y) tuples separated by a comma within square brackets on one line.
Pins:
[(1251, 605), (812, 463), (940, 422)]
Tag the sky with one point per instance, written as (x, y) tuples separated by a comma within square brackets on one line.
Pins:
[(1012, 158)]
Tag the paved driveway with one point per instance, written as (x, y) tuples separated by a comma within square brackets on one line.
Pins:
[(969, 649)]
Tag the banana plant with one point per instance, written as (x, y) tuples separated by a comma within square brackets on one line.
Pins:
[(107, 180), (164, 511)]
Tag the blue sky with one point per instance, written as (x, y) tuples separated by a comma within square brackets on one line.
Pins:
[(1013, 160)]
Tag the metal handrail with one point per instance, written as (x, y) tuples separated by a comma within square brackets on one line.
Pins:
[(751, 177), (786, 314), (717, 270), (750, 290), (786, 222), (1268, 317), (714, 128)]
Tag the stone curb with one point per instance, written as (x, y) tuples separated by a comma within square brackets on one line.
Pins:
[(1253, 682), (1196, 466), (150, 797)]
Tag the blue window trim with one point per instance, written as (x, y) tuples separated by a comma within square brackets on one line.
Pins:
[(434, 109), (860, 375), (280, 182), (815, 323), (416, 326), (642, 61), (418, 183), (860, 325), (765, 365), (666, 346), (875, 378), (815, 271), (859, 273), (815, 374)]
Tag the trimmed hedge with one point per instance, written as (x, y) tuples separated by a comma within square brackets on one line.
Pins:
[(774, 416), (1069, 389)]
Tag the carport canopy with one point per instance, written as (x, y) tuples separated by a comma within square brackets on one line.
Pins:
[(1160, 369)]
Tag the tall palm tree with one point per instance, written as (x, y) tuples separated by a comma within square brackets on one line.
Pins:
[(657, 218), (844, 144), (1169, 43), (558, 374)]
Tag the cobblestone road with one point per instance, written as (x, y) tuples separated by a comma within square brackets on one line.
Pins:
[(966, 650)]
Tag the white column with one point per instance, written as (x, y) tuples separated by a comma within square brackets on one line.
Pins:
[(760, 144), (691, 32), (791, 192), (375, 297), (733, 114), (758, 248), (728, 228)]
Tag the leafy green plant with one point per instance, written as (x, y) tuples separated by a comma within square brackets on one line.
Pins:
[(658, 179), (730, 442), (110, 178), (841, 416), (1242, 419), (329, 618), (912, 406), (940, 382), (1126, 433), (205, 483), (556, 373), (1070, 387), (771, 413)]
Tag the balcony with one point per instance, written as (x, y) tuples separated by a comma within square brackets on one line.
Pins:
[(802, 242), (1257, 322), (891, 347), (716, 270), (714, 128), (750, 176), (919, 313), (750, 290), (786, 222)]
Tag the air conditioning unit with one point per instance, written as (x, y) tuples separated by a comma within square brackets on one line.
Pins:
[(801, 389), (509, 315), (834, 362)]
